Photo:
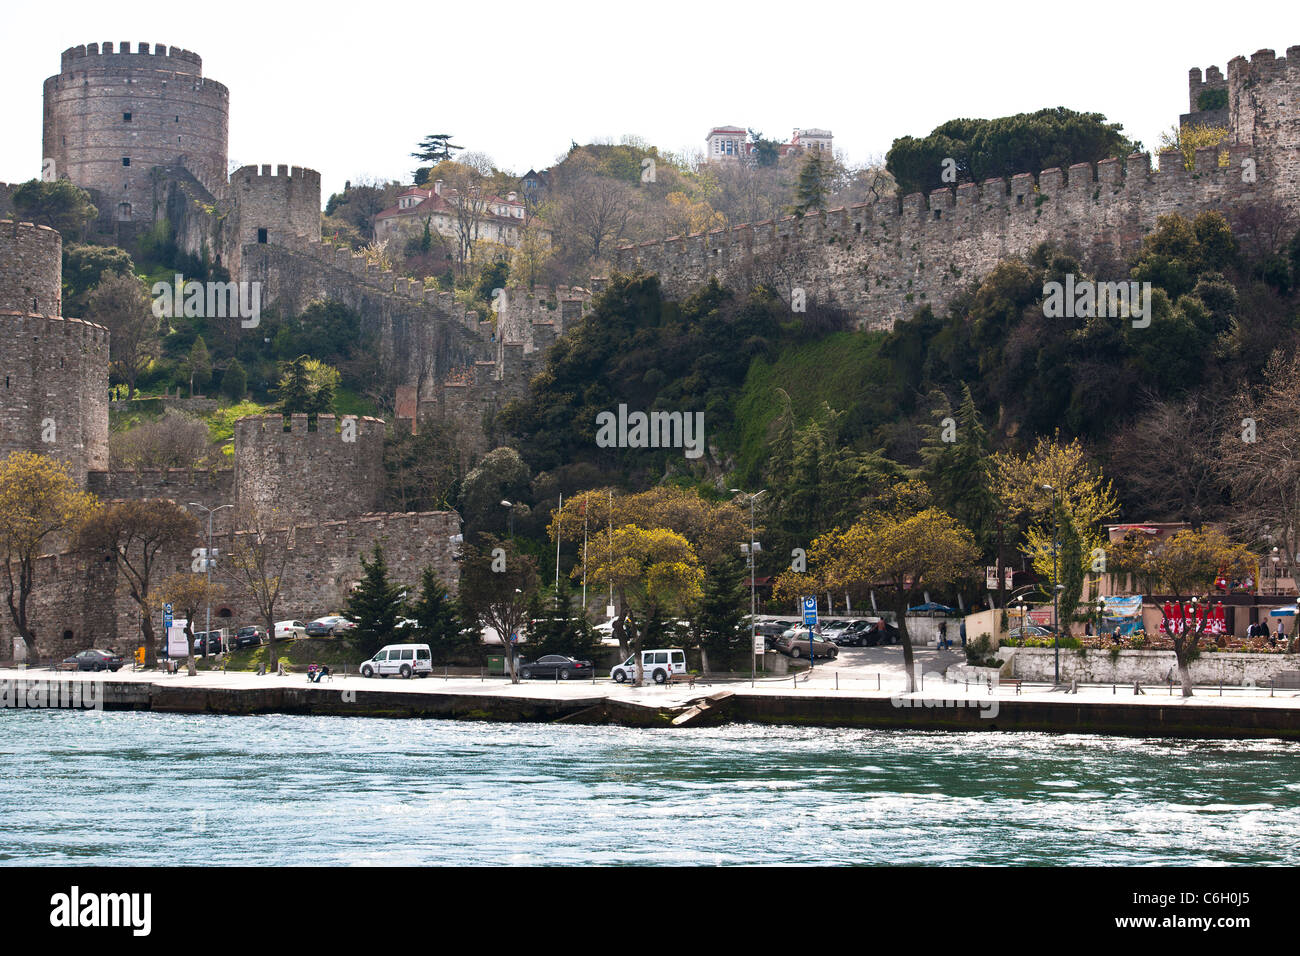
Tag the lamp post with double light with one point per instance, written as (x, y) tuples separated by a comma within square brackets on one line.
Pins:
[(208, 561), (753, 621)]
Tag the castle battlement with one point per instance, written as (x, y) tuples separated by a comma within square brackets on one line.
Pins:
[(179, 59), (283, 171), (31, 269), (300, 424), (88, 333)]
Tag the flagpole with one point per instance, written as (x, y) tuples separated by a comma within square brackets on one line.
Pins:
[(584, 558), (558, 525)]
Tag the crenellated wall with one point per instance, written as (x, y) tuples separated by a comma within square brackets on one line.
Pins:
[(175, 116), (881, 261), (307, 468), (281, 208), (422, 334)]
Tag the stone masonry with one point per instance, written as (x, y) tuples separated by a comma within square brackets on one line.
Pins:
[(881, 261)]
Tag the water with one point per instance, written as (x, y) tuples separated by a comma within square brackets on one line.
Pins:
[(140, 788)]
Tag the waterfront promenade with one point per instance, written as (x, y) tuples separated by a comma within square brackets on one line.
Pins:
[(832, 696)]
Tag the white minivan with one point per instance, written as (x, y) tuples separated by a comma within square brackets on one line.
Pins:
[(409, 660), (656, 665)]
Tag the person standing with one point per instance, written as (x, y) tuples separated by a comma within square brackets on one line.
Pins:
[(963, 633), (943, 634)]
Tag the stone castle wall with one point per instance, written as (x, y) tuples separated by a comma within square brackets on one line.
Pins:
[(306, 469), (54, 370), (881, 261), (79, 602), (281, 208), (421, 334), (32, 277), (176, 116), (212, 489)]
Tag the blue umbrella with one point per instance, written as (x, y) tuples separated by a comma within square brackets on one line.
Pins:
[(932, 606)]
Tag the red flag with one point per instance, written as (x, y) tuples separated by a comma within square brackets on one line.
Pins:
[(1166, 623)]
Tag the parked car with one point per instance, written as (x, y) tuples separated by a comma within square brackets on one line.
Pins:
[(881, 631), (852, 635), (556, 665), (331, 625), (290, 630), (409, 660), (250, 636), (93, 660), (656, 665), (799, 646), (210, 642)]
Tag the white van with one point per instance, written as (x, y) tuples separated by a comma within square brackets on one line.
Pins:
[(409, 660), (656, 665)]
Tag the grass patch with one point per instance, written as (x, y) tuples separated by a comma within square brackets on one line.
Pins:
[(334, 651)]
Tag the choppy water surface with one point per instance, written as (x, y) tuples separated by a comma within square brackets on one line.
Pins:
[(127, 788)]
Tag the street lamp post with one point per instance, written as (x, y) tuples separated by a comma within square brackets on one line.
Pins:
[(1056, 589), (207, 570), (510, 507), (753, 622)]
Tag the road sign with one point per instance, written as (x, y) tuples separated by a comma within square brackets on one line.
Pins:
[(810, 611), (167, 609), (760, 644)]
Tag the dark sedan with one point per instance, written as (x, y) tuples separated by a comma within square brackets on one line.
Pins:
[(95, 661), (250, 637), (555, 665)]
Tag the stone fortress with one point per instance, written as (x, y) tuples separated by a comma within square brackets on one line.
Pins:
[(145, 133), (881, 261)]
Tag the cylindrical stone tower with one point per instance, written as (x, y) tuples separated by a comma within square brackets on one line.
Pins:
[(53, 371), (111, 117)]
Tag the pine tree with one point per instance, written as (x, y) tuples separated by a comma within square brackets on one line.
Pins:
[(812, 189), (722, 612), (438, 617), (375, 605), (956, 457)]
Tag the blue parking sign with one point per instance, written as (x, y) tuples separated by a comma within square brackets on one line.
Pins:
[(810, 611)]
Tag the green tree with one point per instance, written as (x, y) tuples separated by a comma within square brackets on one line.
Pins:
[(199, 365), (83, 268), (436, 613), (306, 385), (497, 583), (435, 148), (58, 204), (721, 615), (984, 148), (234, 383), (814, 184), (120, 304), (375, 605)]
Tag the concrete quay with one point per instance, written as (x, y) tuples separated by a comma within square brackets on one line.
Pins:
[(828, 699)]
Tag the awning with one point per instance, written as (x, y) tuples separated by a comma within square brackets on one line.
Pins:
[(932, 606), (1282, 611)]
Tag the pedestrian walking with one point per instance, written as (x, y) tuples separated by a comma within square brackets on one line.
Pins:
[(943, 634)]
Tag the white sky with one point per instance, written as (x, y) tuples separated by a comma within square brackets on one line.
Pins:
[(349, 90)]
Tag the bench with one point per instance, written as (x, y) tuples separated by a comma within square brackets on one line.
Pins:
[(675, 678), (1006, 682)]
